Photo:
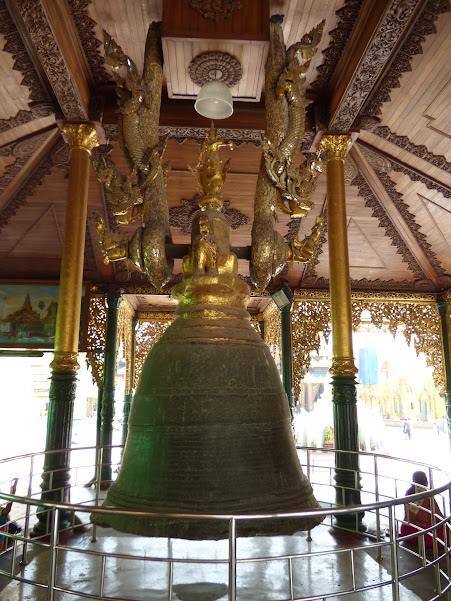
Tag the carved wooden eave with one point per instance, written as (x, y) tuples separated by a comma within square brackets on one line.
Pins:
[(375, 43), (399, 222), (51, 34), (33, 166)]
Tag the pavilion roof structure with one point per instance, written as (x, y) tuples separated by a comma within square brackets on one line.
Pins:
[(383, 71)]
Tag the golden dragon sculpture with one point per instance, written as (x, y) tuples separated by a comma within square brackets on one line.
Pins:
[(141, 193), (281, 185)]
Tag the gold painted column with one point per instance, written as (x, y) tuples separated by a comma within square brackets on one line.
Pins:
[(343, 370), (82, 138)]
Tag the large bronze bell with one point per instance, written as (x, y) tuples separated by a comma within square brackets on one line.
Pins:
[(209, 428)]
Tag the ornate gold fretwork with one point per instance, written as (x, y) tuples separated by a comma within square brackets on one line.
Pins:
[(273, 329), (81, 136), (148, 333), (447, 297), (125, 335), (96, 338), (416, 313), (421, 325), (336, 145), (309, 319)]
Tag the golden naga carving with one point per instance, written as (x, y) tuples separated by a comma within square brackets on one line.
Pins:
[(280, 184), (141, 193)]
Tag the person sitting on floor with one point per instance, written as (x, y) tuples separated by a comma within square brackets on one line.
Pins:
[(5, 524), (418, 515)]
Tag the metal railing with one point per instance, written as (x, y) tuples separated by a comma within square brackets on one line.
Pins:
[(42, 562)]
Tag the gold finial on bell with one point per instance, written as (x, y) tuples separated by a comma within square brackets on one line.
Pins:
[(209, 172)]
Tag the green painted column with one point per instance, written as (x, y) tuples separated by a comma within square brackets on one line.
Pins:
[(129, 394), (82, 138), (287, 354), (261, 325), (442, 308), (343, 370), (99, 414), (109, 387)]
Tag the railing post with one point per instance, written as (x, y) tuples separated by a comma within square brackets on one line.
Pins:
[(53, 551), (99, 458), (378, 514), (394, 553), (232, 560), (23, 561)]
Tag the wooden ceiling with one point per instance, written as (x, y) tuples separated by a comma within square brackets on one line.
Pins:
[(383, 69)]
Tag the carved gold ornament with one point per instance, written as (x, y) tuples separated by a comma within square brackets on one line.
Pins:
[(149, 331), (81, 136), (336, 146), (281, 185), (273, 330), (96, 338), (414, 315), (139, 195), (125, 335), (216, 9)]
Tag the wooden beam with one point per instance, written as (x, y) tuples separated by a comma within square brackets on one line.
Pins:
[(27, 171), (437, 184), (378, 33), (53, 35), (392, 212)]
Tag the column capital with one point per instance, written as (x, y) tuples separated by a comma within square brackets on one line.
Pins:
[(65, 361), (82, 136), (343, 366), (336, 145)]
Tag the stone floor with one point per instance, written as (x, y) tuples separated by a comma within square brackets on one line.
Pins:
[(324, 574)]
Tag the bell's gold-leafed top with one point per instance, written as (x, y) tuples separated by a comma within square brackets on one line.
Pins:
[(211, 288)]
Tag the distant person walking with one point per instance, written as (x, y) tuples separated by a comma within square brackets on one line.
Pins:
[(407, 428)]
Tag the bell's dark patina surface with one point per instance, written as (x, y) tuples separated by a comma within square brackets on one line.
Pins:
[(209, 427)]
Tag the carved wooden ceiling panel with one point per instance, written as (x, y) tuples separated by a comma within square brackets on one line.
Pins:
[(398, 172)]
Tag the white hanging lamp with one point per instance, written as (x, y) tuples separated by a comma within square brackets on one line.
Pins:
[(216, 73), (214, 100)]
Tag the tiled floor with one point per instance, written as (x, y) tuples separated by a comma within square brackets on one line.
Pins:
[(328, 572)]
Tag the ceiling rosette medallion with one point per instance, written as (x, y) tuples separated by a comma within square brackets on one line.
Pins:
[(216, 10), (215, 65)]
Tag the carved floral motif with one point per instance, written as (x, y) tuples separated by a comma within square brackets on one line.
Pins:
[(384, 221), (215, 65), (423, 27), (85, 27), (147, 334), (24, 65), (125, 336), (414, 315), (375, 59), (216, 10), (338, 38), (273, 330), (56, 70), (96, 338), (418, 150)]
